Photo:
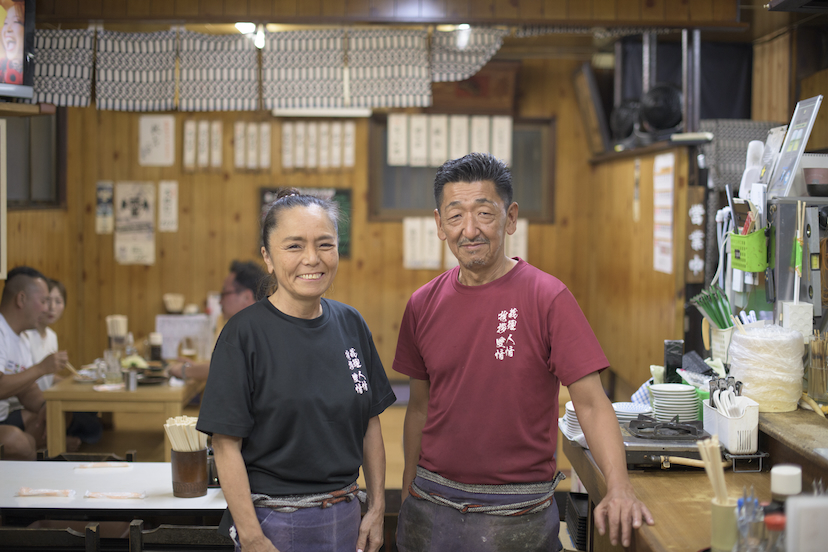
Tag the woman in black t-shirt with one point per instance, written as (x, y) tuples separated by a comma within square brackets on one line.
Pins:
[(293, 398)]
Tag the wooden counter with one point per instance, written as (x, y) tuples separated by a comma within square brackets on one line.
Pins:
[(794, 437), (679, 499)]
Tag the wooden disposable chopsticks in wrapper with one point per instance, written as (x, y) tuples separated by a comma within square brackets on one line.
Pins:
[(183, 435), (711, 455)]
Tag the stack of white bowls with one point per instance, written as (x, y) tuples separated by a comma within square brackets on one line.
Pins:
[(627, 411), (675, 399), (571, 419)]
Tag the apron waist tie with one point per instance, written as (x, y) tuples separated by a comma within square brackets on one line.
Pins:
[(292, 503)]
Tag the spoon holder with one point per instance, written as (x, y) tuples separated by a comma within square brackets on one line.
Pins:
[(738, 435)]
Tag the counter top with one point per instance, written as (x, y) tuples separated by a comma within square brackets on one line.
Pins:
[(794, 437)]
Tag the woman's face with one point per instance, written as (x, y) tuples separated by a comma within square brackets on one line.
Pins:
[(302, 253), (12, 34), (56, 305)]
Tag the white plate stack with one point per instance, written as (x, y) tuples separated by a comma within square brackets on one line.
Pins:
[(572, 425), (675, 399), (627, 411)]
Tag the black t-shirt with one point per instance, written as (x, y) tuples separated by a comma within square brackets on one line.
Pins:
[(300, 394)]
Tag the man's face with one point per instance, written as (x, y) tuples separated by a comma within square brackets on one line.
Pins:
[(474, 220), (36, 302), (234, 297)]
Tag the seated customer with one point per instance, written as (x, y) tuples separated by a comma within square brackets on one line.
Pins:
[(243, 286), (24, 299), (81, 427)]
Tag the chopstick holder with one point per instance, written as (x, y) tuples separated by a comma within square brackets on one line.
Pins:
[(61, 493), (118, 495)]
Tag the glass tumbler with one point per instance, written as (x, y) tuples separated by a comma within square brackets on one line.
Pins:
[(113, 367)]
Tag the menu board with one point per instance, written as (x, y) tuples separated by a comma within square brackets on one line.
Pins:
[(794, 145)]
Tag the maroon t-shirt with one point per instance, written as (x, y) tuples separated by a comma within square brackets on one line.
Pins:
[(495, 355)]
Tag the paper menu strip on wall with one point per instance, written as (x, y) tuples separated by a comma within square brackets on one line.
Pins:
[(437, 140), (203, 144), (502, 138), (168, 206), (252, 145), (287, 145), (336, 145), (418, 140), (480, 134), (216, 144), (239, 148), (189, 145), (264, 145), (348, 144), (412, 238), (458, 136), (397, 140), (517, 244), (311, 145), (432, 246), (156, 140), (299, 129), (324, 140)]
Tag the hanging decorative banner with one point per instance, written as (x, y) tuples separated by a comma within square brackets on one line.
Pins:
[(203, 144), (336, 145), (418, 134), (63, 67), (480, 134), (299, 129), (287, 145), (239, 151), (312, 146), (216, 143), (458, 136), (104, 218), (264, 145), (324, 145), (135, 223), (349, 144), (156, 140), (189, 145), (437, 140), (252, 146), (397, 140), (168, 206), (502, 138)]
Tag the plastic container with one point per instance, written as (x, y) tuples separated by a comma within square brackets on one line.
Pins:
[(720, 343), (750, 252), (738, 435)]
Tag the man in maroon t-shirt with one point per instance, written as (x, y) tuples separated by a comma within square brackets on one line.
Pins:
[(486, 346)]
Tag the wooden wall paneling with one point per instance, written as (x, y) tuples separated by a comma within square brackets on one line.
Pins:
[(603, 9), (810, 87), (726, 11), (457, 8), (628, 10), (771, 100), (260, 8), (580, 10), (86, 8), (138, 8), (284, 8), (118, 8), (653, 10), (701, 10), (162, 8), (66, 8), (237, 8), (309, 8), (210, 8), (676, 10), (504, 9), (363, 8), (531, 9), (555, 9), (333, 8), (47, 7), (186, 8)]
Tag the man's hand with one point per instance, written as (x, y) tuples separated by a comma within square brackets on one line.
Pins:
[(54, 362), (370, 532), (623, 512)]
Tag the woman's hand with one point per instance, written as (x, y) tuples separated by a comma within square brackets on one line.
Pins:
[(370, 532)]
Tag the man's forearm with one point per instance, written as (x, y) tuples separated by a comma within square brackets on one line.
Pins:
[(12, 384)]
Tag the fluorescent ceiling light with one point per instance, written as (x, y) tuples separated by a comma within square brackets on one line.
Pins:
[(323, 112), (259, 41), (246, 28)]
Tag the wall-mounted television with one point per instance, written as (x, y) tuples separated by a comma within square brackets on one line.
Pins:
[(17, 48)]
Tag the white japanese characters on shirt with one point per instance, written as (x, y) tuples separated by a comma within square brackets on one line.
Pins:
[(355, 365), (506, 328)]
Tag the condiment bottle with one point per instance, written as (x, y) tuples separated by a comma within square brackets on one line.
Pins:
[(156, 341), (775, 526), (786, 480)]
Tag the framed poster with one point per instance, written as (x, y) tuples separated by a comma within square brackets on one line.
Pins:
[(3, 220), (341, 196)]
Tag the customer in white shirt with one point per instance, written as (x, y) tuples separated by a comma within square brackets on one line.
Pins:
[(42, 340), (25, 297)]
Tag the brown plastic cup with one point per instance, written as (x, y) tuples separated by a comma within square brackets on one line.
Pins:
[(189, 473)]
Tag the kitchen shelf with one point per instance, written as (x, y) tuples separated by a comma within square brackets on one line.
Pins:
[(9, 109)]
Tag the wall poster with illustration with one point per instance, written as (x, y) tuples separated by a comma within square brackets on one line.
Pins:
[(340, 196), (3, 220)]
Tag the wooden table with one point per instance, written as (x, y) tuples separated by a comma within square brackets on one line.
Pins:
[(71, 396), (679, 499)]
